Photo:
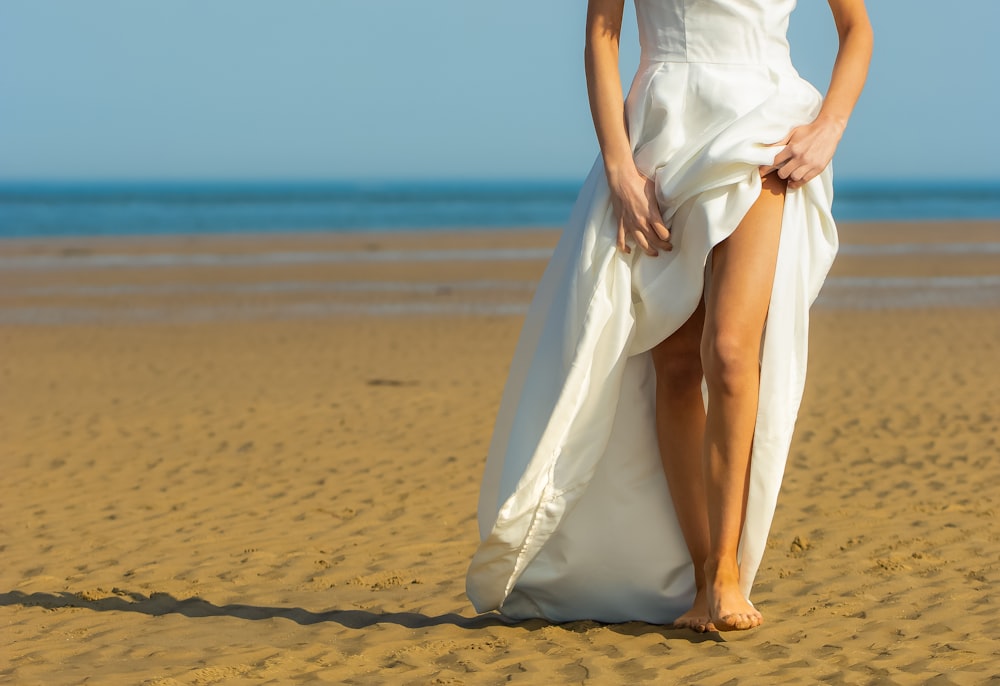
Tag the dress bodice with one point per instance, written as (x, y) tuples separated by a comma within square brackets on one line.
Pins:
[(717, 31)]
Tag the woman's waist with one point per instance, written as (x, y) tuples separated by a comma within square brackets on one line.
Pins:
[(722, 88), (775, 55)]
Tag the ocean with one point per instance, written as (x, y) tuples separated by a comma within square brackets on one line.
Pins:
[(137, 208)]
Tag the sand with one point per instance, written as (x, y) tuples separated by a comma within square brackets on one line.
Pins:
[(210, 478)]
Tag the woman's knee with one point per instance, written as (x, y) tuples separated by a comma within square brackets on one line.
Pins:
[(729, 358)]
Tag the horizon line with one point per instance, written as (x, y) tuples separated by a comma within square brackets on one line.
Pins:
[(465, 181)]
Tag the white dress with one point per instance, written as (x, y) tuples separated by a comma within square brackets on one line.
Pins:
[(575, 517)]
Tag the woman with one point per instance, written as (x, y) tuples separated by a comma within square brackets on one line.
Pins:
[(642, 436)]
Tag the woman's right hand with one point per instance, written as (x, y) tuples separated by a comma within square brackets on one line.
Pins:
[(633, 197)]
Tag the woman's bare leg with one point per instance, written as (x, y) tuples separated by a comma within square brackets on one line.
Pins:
[(736, 308), (680, 428)]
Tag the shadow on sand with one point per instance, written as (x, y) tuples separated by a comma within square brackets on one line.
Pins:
[(159, 604)]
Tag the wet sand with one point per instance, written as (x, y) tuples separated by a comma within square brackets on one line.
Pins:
[(256, 460)]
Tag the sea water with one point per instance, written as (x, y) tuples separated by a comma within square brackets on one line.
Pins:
[(102, 208)]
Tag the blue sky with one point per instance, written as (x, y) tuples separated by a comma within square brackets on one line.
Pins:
[(348, 89)]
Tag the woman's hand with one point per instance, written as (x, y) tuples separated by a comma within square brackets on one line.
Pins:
[(633, 197), (809, 149), (807, 152)]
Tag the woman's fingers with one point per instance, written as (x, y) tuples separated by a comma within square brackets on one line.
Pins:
[(783, 141), (622, 245), (783, 157), (649, 240), (633, 198), (796, 171), (651, 237), (661, 234), (657, 234), (802, 176), (643, 243), (780, 157)]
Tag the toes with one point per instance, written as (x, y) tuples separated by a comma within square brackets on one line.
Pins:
[(726, 623), (702, 624), (697, 624), (735, 622)]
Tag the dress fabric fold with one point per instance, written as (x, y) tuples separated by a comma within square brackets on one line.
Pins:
[(575, 518)]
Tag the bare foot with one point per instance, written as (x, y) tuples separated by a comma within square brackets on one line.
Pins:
[(727, 608), (696, 618)]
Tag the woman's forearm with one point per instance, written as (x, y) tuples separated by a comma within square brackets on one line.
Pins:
[(607, 106), (851, 67), (633, 196), (808, 149)]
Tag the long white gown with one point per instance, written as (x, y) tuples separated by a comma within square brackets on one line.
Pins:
[(575, 516)]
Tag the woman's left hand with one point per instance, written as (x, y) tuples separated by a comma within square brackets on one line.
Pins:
[(807, 152)]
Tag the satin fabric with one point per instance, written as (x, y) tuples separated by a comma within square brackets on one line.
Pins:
[(575, 517)]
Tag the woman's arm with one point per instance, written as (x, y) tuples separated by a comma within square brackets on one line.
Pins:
[(809, 149), (632, 194)]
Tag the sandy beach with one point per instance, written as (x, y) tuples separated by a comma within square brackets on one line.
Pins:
[(237, 460)]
